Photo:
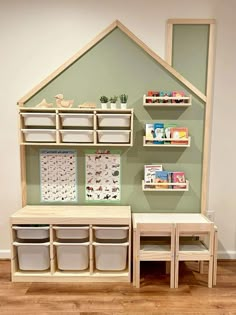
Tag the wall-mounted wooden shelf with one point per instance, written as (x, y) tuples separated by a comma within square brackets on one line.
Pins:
[(76, 126), (152, 186), (167, 101), (148, 143)]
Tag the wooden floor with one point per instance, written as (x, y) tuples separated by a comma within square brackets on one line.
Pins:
[(154, 297)]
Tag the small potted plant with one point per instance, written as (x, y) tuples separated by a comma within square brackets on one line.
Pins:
[(104, 101), (123, 101), (113, 101)]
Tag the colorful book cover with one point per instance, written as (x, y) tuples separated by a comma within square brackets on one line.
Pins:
[(178, 177), (149, 132), (150, 172), (179, 133), (162, 177), (158, 133), (178, 94), (167, 128), (165, 94)]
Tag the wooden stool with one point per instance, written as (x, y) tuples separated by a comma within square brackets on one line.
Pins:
[(158, 250)]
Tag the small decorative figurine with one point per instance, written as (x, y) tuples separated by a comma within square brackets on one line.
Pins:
[(63, 103), (44, 104)]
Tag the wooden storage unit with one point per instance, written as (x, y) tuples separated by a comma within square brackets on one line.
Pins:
[(80, 220), (75, 126)]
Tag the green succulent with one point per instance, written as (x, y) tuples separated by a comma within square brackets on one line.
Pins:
[(113, 99), (123, 98), (104, 99)]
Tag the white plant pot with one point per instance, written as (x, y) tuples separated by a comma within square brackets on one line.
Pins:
[(104, 105), (123, 105), (113, 105)]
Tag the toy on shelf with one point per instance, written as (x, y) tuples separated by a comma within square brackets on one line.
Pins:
[(44, 104), (62, 103), (87, 105)]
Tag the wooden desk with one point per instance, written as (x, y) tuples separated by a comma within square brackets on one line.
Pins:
[(150, 218)]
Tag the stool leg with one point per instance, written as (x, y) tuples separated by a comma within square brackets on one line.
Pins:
[(210, 272), (172, 274), (137, 277), (176, 273), (168, 267), (215, 257)]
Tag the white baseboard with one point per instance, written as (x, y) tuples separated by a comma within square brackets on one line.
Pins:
[(231, 254), (5, 254)]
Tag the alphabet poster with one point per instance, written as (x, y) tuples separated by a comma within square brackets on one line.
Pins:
[(58, 174), (102, 176)]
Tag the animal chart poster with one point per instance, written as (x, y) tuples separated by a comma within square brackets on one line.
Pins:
[(58, 175), (102, 176)]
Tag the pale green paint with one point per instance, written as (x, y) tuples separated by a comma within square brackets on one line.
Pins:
[(117, 65), (190, 52)]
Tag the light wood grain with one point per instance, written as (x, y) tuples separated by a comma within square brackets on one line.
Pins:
[(153, 298)]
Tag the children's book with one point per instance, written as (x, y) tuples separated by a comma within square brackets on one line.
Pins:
[(179, 133), (150, 172), (178, 177), (162, 177), (149, 132), (170, 179), (166, 95), (178, 94), (167, 128), (158, 133)]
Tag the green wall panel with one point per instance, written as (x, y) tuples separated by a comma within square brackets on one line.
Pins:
[(190, 52), (117, 65)]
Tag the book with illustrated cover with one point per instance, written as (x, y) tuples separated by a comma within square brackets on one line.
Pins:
[(150, 172), (162, 177), (178, 177), (158, 133), (149, 132), (179, 133), (166, 94), (178, 94), (167, 128)]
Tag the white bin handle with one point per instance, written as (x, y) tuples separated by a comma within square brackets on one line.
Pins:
[(110, 227), (30, 244), (70, 227), (30, 227), (75, 244), (110, 244)]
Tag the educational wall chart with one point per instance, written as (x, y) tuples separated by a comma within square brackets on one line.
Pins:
[(58, 175), (102, 178)]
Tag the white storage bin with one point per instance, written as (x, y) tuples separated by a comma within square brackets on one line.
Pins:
[(28, 232), (39, 135), (39, 119), (113, 136), (111, 256), (33, 256), (72, 232), (111, 233), (79, 120), (114, 120), (72, 256), (77, 135)]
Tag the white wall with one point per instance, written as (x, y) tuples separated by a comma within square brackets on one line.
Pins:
[(38, 36)]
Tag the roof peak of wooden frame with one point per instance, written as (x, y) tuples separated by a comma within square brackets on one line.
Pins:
[(93, 42)]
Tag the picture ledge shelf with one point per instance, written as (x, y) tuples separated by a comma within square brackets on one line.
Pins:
[(163, 101), (148, 186), (148, 143)]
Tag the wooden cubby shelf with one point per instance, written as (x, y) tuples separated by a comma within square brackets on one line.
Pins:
[(76, 126), (147, 143), (152, 186), (163, 101), (79, 242)]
